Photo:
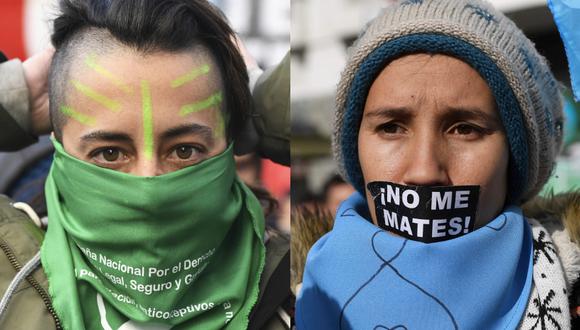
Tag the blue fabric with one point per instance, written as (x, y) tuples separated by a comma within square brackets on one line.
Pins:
[(508, 106), (572, 123), (360, 277), (567, 16)]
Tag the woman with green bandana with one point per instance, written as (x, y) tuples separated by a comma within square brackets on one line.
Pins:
[(150, 228), (448, 123)]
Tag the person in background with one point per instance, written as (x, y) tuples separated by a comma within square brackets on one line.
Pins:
[(334, 192)]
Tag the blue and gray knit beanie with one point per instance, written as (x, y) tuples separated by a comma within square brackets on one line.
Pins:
[(526, 92)]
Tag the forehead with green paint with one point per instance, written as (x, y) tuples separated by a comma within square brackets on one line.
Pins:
[(144, 104)]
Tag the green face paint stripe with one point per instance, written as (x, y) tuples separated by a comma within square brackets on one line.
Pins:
[(212, 100), (204, 69), (96, 96), (219, 129), (91, 62), (81, 118), (147, 119), (223, 120)]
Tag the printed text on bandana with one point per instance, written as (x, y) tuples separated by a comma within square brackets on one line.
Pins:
[(133, 281), (425, 213)]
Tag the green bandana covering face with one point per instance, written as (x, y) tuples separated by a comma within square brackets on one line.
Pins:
[(182, 250)]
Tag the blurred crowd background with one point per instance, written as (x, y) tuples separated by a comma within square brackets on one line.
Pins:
[(322, 31), (263, 26)]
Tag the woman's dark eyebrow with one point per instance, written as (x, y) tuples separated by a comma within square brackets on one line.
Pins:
[(187, 129), (453, 113), (107, 136), (385, 112), (471, 113)]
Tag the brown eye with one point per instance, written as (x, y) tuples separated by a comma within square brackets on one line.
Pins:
[(464, 129), (391, 128), (184, 152), (111, 155)]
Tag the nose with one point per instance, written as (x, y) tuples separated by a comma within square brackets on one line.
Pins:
[(147, 167), (426, 161)]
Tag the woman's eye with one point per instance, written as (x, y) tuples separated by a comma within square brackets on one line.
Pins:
[(464, 129), (469, 131), (391, 128), (111, 155), (108, 155), (184, 152)]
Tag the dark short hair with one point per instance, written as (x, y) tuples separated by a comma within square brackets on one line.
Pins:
[(331, 182), (147, 26)]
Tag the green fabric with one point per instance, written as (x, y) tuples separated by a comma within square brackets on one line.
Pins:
[(109, 230)]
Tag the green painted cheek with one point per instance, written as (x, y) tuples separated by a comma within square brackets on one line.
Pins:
[(147, 119), (193, 74), (81, 118)]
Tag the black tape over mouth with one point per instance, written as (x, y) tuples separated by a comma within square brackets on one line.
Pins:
[(425, 213)]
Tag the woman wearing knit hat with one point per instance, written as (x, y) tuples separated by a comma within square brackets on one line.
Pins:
[(448, 121)]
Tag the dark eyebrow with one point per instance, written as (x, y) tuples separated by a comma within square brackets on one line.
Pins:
[(401, 113), (186, 129), (472, 113), (107, 136), (453, 113)]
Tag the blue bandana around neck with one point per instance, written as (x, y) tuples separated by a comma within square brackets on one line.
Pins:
[(360, 277)]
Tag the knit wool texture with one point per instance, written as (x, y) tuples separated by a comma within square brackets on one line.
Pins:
[(525, 90)]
